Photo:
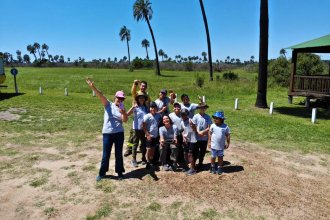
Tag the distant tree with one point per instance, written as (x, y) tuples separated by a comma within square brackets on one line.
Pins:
[(283, 52), (252, 59), (309, 64), (26, 58), (56, 58), (142, 11), (45, 47), (43, 54), (145, 43), (32, 50), (208, 39), (125, 34), (37, 47), (161, 53), (19, 56), (61, 60), (68, 59), (204, 54), (238, 61), (279, 70), (165, 56), (261, 101)]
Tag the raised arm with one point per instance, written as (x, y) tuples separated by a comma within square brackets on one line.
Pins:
[(103, 99)]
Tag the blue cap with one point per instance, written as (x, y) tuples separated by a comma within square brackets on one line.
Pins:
[(219, 115)]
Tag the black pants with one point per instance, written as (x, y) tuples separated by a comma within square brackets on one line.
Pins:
[(168, 149), (199, 151)]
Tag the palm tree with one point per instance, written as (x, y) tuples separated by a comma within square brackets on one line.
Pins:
[(142, 11), (252, 59), (261, 101), (161, 53), (19, 56), (32, 50), (45, 47), (208, 39), (204, 54), (145, 43), (125, 34), (37, 47), (26, 58)]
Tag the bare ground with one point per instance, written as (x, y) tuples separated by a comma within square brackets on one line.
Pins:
[(59, 183)]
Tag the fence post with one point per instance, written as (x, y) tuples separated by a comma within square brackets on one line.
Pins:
[(271, 108), (236, 103), (40, 90), (314, 111)]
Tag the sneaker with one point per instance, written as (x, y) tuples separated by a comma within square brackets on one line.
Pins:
[(148, 166), (144, 161), (98, 178), (166, 167), (127, 153), (213, 170), (220, 171), (191, 172), (134, 163), (199, 167), (174, 166)]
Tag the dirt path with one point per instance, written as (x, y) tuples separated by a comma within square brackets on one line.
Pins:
[(59, 183)]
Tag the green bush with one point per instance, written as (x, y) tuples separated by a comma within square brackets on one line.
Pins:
[(188, 66), (309, 64), (279, 70), (230, 76), (199, 80)]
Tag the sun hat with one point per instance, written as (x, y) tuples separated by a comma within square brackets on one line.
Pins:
[(202, 105), (164, 91), (219, 115), (120, 94), (184, 111), (139, 93)]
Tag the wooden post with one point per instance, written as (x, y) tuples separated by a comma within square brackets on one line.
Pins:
[(40, 90), (94, 93), (203, 98), (66, 92), (293, 73)]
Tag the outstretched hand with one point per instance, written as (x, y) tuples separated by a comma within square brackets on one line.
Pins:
[(89, 82)]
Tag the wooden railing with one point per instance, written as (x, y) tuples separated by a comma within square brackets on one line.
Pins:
[(312, 84)]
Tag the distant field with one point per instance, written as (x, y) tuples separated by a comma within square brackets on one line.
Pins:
[(289, 128)]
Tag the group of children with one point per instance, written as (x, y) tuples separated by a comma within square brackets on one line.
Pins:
[(176, 139)]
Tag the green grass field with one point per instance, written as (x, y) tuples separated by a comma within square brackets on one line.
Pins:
[(79, 116)]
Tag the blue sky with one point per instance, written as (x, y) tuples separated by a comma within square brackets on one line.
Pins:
[(90, 29)]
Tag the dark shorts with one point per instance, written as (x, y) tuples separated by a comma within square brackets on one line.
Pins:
[(153, 143), (188, 147)]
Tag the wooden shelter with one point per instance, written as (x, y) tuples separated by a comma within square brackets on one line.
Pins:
[(310, 86)]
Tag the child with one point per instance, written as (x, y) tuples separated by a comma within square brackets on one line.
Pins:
[(219, 133), (150, 127), (189, 141)]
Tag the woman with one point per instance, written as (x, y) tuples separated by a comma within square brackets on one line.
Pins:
[(113, 131), (168, 141), (139, 109)]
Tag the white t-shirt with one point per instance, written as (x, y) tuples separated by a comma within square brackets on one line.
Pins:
[(188, 132), (202, 122), (139, 113), (161, 103), (152, 122), (191, 107), (218, 136), (175, 119)]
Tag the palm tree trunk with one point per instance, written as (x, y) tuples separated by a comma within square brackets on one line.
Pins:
[(155, 47), (261, 101), (208, 39), (35, 57), (147, 53), (129, 56)]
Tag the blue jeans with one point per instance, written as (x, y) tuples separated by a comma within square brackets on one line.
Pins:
[(108, 141)]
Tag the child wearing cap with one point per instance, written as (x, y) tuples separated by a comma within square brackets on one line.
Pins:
[(163, 102), (219, 134), (150, 127), (176, 119), (113, 130)]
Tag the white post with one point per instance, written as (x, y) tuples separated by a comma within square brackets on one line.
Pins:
[(40, 90), (66, 92), (176, 97), (94, 93), (236, 103), (271, 108), (314, 110), (203, 98)]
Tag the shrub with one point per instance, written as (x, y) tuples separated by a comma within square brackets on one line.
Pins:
[(230, 76), (309, 64), (279, 70), (199, 80), (137, 63), (188, 66)]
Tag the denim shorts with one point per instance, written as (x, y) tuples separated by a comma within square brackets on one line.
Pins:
[(216, 153)]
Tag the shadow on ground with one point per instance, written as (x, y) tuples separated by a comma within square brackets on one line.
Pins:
[(227, 167), (303, 112), (4, 96)]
